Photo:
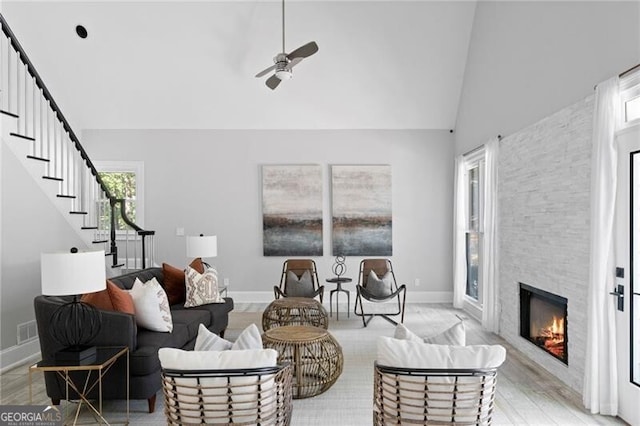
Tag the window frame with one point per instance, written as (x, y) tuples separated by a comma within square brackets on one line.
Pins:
[(136, 167), (629, 90), (471, 161)]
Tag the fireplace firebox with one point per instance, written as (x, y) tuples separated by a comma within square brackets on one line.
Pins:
[(543, 321)]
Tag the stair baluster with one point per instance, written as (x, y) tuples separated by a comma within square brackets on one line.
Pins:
[(40, 122)]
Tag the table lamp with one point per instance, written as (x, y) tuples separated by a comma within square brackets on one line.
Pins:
[(74, 324), (202, 246)]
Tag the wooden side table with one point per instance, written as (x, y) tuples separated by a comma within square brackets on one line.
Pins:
[(106, 357), (316, 357), (338, 281), (294, 311)]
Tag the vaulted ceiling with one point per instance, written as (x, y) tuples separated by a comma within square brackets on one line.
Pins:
[(191, 65)]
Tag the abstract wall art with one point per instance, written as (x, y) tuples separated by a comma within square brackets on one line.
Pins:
[(292, 210), (362, 210)]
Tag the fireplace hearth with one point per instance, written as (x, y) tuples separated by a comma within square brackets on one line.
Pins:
[(543, 321)]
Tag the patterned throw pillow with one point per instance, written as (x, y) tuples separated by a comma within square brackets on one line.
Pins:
[(299, 287), (152, 306), (379, 287), (453, 336), (174, 280), (207, 340), (113, 298), (202, 288)]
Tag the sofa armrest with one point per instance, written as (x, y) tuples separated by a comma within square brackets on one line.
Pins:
[(117, 329)]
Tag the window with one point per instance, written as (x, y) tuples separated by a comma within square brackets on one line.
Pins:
[(632, 110), (124, 180), (630, 97), (473, 238)]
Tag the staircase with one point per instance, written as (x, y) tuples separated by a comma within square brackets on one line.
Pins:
[(37, 132)]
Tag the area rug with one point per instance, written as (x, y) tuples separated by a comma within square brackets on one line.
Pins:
[(349, 400)]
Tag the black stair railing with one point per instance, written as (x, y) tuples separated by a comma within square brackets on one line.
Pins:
[(41, 121)]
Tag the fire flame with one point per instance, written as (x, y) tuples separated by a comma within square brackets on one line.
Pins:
[(554, 337), (558, 326)]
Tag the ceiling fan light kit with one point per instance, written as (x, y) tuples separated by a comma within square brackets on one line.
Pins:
[(284, 74), (284, 62)]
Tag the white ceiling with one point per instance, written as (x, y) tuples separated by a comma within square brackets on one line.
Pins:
[(191, 65)]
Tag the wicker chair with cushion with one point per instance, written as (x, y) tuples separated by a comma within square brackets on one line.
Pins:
[(377, 283), (230, 393), (299, 279), (424, 384), (433, 396)]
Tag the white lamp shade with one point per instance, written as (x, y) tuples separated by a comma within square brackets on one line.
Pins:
[(67, 274), (202, 246)]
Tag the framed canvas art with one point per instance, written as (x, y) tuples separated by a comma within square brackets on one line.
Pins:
[(362, 210), (292, 210)]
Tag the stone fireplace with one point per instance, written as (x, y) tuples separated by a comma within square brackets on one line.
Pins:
[(544, 203), (543, 321)]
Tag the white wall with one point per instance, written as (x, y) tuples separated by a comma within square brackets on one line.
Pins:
[(30, 225), (528, 60), (209, 181)]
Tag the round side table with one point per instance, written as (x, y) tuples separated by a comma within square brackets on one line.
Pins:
[(316, 357), (338, 281), (294, 311)]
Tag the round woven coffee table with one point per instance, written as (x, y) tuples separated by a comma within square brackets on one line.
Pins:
[(316, 357), (294, 311)]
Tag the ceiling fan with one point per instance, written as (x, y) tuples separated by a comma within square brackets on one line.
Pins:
[(284, 62)]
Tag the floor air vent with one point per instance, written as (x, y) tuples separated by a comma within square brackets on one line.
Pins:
[(27, 331)]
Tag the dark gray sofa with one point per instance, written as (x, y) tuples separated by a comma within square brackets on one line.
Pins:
[(119, 329)]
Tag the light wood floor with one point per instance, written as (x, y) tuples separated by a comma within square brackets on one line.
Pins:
[(527, 394)]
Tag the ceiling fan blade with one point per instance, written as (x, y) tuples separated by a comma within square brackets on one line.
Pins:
[(265, 72), (304, 51), (294, 62), (272, 82)]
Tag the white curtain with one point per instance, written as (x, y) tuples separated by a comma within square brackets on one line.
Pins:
[(459, 228), (600, 394), (490, 287)]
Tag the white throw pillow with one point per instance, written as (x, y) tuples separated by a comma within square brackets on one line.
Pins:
[(250, 338), (410, 354), (151, 305), (201, 289), (454, 335), (207, 340)]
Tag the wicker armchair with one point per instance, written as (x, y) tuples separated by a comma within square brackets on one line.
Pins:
[(433, 396), (239, 397)]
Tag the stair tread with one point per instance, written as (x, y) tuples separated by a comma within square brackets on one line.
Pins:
[(89, 227), (74, 212), (10, 114), (17, 135), (53, 178), (65, 196), (100, 241), (33, 157), (120, 265)]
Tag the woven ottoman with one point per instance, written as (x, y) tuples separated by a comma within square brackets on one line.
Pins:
[(316, 357), (294, 311)]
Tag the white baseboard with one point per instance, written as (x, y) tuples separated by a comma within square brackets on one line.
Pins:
[(412, 296), (19, 354)]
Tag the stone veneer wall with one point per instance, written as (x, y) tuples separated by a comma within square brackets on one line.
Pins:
[(543, 221)]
